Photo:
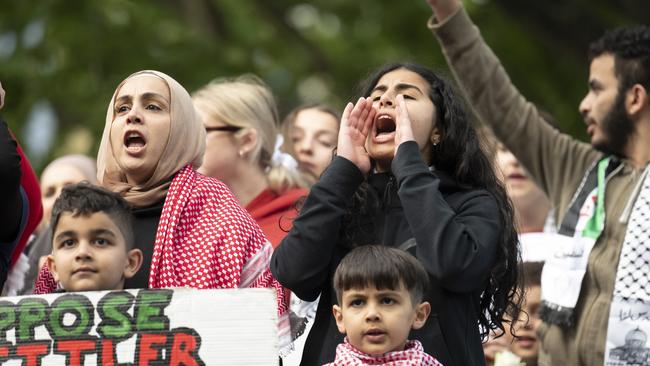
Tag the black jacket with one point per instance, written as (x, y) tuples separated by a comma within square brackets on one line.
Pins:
[(12, 202), (455, 232)]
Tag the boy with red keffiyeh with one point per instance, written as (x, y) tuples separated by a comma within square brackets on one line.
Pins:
[(380, 299)]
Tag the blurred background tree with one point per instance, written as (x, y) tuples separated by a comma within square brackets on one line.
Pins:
[(61, 60)]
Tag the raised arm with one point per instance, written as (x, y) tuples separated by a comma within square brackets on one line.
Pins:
[(302, 261), (457, 245), (443, 9), (516, 122)]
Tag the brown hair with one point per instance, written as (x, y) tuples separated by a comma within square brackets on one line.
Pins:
[(382, 267), (290, 120)]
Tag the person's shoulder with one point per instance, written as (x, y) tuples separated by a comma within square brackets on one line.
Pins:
[(481, 194), (204, 193), (208, 186), (215, 195), (205, 182), (472, 198), (450, 186)]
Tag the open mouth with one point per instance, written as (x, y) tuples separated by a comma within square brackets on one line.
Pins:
[(134, 141), (376, 336), (384, 124), (590, 129), (590, 125), (375, 332)]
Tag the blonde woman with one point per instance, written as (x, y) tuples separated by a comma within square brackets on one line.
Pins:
[(240, 118)]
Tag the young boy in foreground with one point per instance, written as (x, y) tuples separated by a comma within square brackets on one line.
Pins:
[(92, 240), (379, 291)]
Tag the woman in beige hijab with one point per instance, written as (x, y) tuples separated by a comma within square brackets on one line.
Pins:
[(187, 225)]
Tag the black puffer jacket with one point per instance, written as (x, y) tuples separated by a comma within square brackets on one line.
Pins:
[(454, 232)]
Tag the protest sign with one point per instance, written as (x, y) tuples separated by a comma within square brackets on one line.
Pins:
[(140, 327)]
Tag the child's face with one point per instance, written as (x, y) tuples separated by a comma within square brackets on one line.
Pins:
[(314, 136), (89, 254), (379, 321), (526, 345)]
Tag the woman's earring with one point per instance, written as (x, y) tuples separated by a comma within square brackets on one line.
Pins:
[(435, 140)]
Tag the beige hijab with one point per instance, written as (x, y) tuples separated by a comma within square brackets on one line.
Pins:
[(185, 145)]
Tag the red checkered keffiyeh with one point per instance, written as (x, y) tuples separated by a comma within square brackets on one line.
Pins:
[(205, 240), (412, 355)]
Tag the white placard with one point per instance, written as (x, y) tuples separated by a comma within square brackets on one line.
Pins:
[(141, 327)]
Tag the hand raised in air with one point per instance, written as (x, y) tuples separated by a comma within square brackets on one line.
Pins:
[(356, 122)]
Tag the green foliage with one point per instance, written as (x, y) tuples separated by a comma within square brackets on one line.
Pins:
[(306, 51)]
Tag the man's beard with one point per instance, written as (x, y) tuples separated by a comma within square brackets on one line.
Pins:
[(617, 128)]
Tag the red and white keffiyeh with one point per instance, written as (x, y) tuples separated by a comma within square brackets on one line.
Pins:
[(412, 355), (205, 240)]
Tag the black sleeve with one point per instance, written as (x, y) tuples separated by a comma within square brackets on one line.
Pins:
[(456, 247), (301, 261), (11, 207)]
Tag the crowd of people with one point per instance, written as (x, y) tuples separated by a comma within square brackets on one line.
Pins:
[(397, 232)]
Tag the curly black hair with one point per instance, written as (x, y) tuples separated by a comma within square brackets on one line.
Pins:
[(459, 154), (84, 199), (630, 47)]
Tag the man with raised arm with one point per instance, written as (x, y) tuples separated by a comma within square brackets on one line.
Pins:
[(594, 289)]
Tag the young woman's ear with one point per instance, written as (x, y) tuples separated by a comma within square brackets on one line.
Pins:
[(134, 262), (51, 265), (338, 316), (248, 141), (435, 136), (422, 312)]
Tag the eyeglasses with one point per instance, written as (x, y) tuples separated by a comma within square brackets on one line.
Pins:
[(223, 128)]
